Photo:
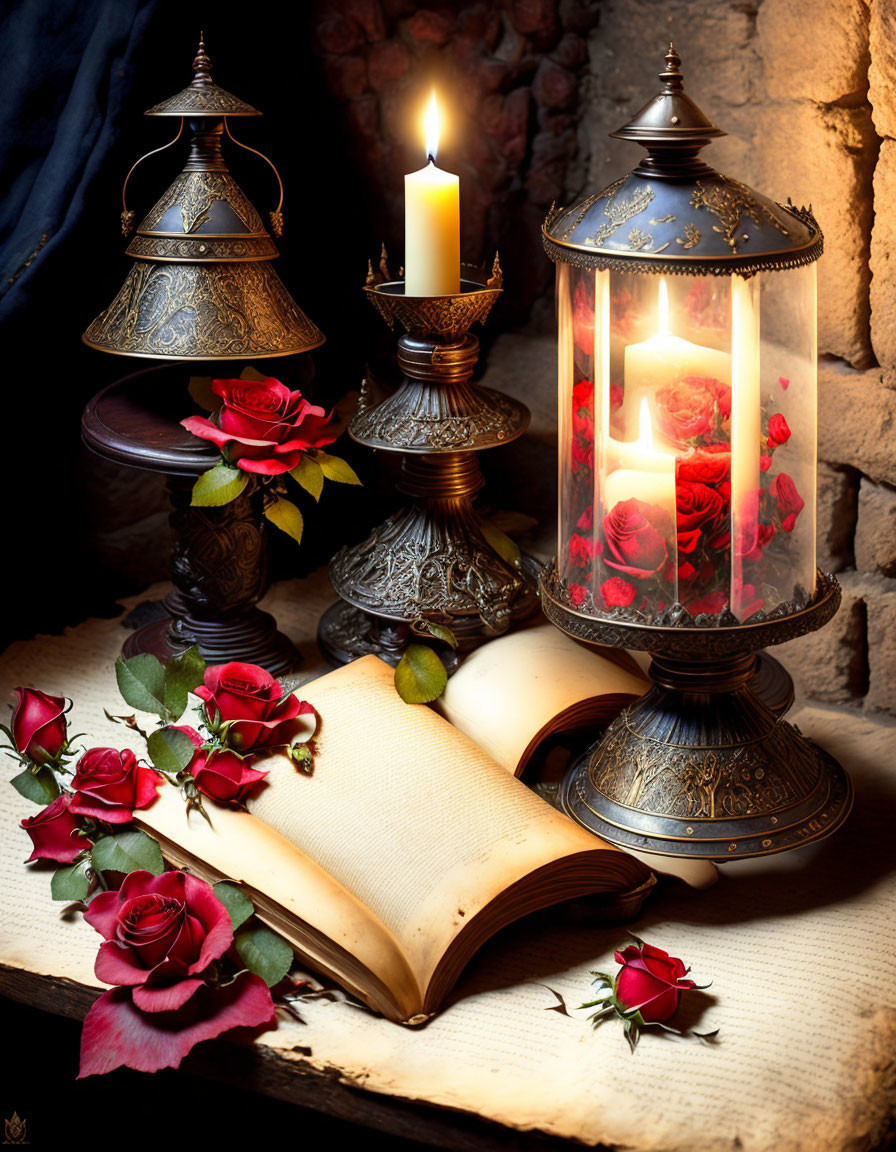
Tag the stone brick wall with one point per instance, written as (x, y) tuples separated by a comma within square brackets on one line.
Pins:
[(807, 91)]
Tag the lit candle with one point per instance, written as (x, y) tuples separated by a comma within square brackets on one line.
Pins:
[(664, 360), (431, 221), (641, 472)]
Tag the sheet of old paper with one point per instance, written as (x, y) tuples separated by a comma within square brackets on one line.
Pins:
[(800, 949)]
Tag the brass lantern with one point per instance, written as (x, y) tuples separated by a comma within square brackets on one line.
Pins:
[(203, 286), (687, 432)]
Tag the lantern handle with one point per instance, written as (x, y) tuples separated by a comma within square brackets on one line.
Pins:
[(127, 214), (277, 214)]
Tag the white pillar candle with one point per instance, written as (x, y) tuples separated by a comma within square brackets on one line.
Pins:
[(431, 222), (640, 472), (663, 360)]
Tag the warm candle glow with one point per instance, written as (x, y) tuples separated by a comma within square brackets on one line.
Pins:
[(431, 220), (662, 307), (431, 125), (645, 428)]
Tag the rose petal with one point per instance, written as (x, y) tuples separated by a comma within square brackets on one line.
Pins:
[(117, 1033), (165, 997), (116, 964)]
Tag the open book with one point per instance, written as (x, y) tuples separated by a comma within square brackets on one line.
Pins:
[(403, 853)]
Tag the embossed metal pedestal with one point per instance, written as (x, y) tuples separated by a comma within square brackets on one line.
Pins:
[(700, 766), (431, 561), (219, 559)]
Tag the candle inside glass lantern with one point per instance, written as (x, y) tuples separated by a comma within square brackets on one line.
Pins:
[(431, 221)]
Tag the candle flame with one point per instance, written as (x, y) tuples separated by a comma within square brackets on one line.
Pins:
[(431, 124), (645, 428), (663, 307)]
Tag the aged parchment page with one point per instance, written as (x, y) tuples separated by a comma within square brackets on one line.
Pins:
[(415, 820), (801, 950), (509, 694)]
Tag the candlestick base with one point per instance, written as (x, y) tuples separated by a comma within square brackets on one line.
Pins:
[(700, 766)]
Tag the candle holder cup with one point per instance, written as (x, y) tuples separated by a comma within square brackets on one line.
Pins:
[(432, 561), (687, 366)]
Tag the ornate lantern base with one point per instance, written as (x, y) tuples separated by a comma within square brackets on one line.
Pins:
[(700, 766)]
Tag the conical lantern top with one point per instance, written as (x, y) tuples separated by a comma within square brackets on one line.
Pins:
[(203, 286), (202, 97), (673, 213)]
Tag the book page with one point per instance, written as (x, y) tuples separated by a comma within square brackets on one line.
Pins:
[(510, 693), (292, 893), (412, 817)]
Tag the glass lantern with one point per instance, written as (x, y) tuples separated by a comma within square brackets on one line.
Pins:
[(687, 377)]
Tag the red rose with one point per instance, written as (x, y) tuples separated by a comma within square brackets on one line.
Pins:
[(688, 541), (250, 702), (580, 551), (161, 934), (765, 462), (636, 535), (110, 784), (790, 503), (698, 506), (52, 832), (686, 410), (651, 981), (616, 396), (583, 316), (708, 465), (617, 592), (750, 602), (222, 775), (264, 427), (577, 594), (39, 725), (712, 603), (778, 431), (583, 411), (586, 520)]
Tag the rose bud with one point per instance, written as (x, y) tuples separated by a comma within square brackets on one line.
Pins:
[(651, 982), (778, 431), (220, 775), (52, 832), (39, 727), (250, 702), (110, 784)]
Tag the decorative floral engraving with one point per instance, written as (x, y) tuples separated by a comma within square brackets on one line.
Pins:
[(730, 201)]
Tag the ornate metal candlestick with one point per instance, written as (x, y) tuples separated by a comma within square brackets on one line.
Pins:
[(433, 560), (687, 387)]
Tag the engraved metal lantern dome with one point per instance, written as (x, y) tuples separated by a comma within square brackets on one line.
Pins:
[(687, 440), (202, 286)]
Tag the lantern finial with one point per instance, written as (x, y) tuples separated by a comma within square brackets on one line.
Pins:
[(672, 78), (202, 66)]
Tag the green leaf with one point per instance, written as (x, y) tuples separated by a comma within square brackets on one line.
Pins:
[(218, 486), (200, 388), (264, 953), (502, 544), (309, 475), (41, 787), (71, 882), (284, 515), (420, 676), (170, 750), (141, 681), (126, 852), (335, 468), (183, 673), (440, 631), (250, 373), (239, 906)]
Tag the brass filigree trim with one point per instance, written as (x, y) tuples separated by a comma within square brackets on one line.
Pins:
[(194, 193), (201, 248), (730, 201), (620, 210)]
